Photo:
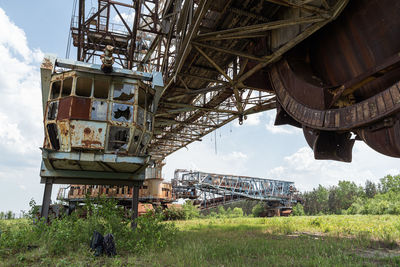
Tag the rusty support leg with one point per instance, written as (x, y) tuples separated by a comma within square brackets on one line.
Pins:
[(135, 205), (46, 199)]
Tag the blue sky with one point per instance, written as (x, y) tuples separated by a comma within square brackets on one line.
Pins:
[(28, 29)]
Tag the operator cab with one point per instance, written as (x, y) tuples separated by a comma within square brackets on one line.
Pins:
[(89, 111)]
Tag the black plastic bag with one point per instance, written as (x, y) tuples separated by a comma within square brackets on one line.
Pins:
[(109, 245), (97, 243)]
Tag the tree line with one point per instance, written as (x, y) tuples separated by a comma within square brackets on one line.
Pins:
[(348, 198), (8, 215)]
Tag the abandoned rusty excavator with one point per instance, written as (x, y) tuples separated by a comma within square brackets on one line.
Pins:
[(153, 76)]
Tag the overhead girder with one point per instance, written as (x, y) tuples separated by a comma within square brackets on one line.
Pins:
[(332, 75), (221, 59)]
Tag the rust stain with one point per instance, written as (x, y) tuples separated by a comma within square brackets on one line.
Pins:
[(64, 108), (87, 130), (89, 143), (63, 129), (47, 64), (80, 108)]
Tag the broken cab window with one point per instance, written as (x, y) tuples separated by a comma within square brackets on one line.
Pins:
[(99, 110), (67, 87), (124, 92), (101, 88), (53, 135), (144, 142), (83, 86), (135, 141), (55, 89), (52, 110), (118, 138), (142, 98), (149, 121), (122, 112), (149, 103), (140, 116)]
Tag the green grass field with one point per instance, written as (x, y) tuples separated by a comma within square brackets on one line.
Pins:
[(245, 241)]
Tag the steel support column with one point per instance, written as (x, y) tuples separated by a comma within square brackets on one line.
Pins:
[(46, 199)]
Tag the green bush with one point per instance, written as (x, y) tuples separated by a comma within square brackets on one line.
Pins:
[(384, 203), (174, 213), (298, 210), (237, 212), (258, 210), (221, 213), (190, 211), (152, 233), (227, 213), (74, 232), (186, 212)]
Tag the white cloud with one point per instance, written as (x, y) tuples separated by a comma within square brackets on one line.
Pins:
[(21, 121), (281, 129), (307, 173), (234, 156), (128, 18), (201, 156), (13, 38)]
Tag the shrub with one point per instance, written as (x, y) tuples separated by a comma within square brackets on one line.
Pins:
[(227, 213), (190, 211), (258, 209), (73, 232), (222, 212), (237, 212), (298, 210), (174, 213), (152, 233)]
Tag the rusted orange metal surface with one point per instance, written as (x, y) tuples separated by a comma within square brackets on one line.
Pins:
[(108, 114), (344, 80), (152, 191)]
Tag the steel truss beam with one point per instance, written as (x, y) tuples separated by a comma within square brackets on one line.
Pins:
[(225, 97), (237, 186), (205, 50)]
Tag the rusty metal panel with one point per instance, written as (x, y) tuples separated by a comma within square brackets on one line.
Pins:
[(381, 104), (366, 109), (88, 134), (63, 129), (64, 108), (373, 110), (319, 118), (80, 108), (348, 116), (395, 92), (66, 165), (329, 119), (337, 119), (360, 114), (91, 166), (387, 100)]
